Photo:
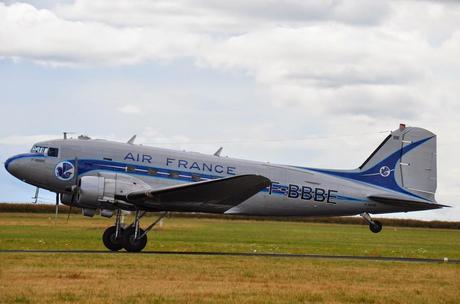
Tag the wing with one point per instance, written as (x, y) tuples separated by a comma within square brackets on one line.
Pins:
[(216, 196)]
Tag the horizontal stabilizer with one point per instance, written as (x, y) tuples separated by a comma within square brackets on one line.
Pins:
[(403, 203)]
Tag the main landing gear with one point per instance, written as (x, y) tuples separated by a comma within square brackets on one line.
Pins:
[(132, 238), (374, 226)]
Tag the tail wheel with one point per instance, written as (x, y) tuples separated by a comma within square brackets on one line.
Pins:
[(130, 243), (375, 227), (110, 240)]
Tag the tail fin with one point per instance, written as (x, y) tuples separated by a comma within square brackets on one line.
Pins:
[(406, 159)]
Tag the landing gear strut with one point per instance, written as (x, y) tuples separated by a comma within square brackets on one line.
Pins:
[(132, 238), (374, 226)]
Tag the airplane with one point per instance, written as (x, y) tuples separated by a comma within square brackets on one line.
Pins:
[(113, 177)]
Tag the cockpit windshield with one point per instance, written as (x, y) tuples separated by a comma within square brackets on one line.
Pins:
[(49, 151), (39, 149)]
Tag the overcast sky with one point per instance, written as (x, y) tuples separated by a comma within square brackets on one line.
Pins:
[(310, 83)]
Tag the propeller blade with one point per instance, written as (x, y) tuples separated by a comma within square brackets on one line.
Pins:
[(68, 214), (57, 204), (75, 188), (72, 198), (36, 195), (76, 172)]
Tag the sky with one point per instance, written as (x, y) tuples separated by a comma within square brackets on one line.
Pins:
[(308, 83)]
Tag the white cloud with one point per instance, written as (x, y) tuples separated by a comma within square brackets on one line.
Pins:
[(303, 52), (211, 16), (129, 109), (42, 36), (301, 44)]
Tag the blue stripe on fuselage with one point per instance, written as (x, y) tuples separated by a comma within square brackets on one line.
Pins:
[(86, 165)]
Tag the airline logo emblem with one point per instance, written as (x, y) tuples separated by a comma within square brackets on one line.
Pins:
[(64, 170), (385, 171)]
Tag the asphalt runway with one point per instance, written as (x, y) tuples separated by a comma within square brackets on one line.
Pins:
[(244, 254)]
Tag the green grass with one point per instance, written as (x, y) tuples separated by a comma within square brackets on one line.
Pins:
[(42, 231), (133, 278)]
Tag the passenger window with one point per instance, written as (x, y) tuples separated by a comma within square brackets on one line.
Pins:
[(53, 152), (152, 172)]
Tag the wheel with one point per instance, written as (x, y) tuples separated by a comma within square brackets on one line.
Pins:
[(109, 239), (375, 227), (132, 245)]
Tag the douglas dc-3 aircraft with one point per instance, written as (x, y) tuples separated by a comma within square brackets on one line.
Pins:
[(92, 174)]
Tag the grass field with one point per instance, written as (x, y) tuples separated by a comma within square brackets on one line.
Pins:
[(133, 278)]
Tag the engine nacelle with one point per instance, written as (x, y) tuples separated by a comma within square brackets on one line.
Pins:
[(100, 191)]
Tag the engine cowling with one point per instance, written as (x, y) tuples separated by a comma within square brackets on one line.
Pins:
[(92, 190), (87, 210), (101, 191)]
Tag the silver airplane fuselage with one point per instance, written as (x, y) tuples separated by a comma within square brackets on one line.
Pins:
[(295, 191)]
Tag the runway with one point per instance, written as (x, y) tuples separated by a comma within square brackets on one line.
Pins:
[(246, 254)]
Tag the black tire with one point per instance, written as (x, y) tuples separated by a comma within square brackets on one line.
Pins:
[(375, 227), (112, 243), (132, 245)]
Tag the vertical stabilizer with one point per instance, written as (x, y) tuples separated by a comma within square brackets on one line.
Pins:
[(408, 158)]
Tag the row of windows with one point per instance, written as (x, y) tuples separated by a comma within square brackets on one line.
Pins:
[(172, 174)]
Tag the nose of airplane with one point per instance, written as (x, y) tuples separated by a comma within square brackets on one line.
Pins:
[(12, 165)]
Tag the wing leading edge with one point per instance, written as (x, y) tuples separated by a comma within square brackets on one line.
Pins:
[(216, 196)]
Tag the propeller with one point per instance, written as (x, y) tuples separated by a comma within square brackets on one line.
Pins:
[(75, 182), (36, 195), (75, 189), (57, 205), (68, 214)]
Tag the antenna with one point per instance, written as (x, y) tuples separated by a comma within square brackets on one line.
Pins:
[(217, 153), (67, 133), (131, 140)]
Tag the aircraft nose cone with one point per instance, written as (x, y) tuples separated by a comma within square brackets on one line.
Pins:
[(8, 163), (12, 165)]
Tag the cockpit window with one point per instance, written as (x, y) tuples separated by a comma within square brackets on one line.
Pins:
[(53, 152), (39, 149)]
